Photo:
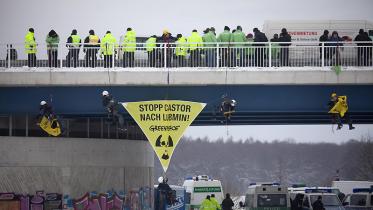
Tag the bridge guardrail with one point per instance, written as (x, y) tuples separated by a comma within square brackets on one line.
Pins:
[(209, 55)]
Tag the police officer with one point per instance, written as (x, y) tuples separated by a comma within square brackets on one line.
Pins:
[(108, 48), (129, 48), (215, 202), (30, 48), (207, 204), (91, 47), (73, 44), (180, 50), (151, 44), (195, 42)]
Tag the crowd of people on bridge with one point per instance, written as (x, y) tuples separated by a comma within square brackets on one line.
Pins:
[(233, 48), (227, 49), (331, 47)]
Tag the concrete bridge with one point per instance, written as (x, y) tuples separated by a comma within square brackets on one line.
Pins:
[(90, 147), (264, 95)]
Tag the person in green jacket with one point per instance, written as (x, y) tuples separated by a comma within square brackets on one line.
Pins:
[(30, 48), (52, 48), (215, 202), (238, 40), (181, 50), (195, 45), (250, 50), (129, 48), (224, 38), (108, 48), (275, 50), (150, 45), (207, 204), (209, 41)]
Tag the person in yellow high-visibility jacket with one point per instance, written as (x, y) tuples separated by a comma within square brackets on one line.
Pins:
[(181, 50), (108, 48), (73, 44), (207, 204), (215, 202), (91, 47), (150, 45), (195, 42), (30, 48), (129, 48), (338, 108)]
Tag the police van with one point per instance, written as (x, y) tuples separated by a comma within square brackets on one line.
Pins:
[(310, 195), (302, 188), (199, 187), (267, 197), (360, 199)]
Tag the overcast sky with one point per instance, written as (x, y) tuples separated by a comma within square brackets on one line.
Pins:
[(151, 17)]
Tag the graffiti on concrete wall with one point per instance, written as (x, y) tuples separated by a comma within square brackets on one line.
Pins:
[(39, 201), (133, 200), (99, 202), (9, 201)]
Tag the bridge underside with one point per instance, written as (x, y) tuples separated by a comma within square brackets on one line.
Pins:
[(257, 104)]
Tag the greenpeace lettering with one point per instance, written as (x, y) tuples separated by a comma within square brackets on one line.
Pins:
[(163, 123), (155, 128)]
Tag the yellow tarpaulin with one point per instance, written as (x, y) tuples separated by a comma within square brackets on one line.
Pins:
[(340, 107), (164, 122), (46, 125)]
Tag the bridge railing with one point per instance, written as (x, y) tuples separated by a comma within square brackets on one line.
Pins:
[(208, 55)]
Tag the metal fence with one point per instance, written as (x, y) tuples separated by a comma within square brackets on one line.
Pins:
[(209, 55)]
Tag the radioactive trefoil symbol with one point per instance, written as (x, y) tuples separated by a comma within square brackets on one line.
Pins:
[(164, 143)]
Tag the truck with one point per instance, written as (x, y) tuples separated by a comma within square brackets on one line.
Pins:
[(311, 30), (198, 187), (347, 187), (271, 196)]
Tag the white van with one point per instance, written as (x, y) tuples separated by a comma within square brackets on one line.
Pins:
[(360, 199), (310, 195), (347, 187), (199, 187), (311, 30), (267, 197)]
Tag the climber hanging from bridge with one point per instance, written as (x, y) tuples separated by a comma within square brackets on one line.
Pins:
[(47, 120), (227, 107), (338, 108), (112, 107)]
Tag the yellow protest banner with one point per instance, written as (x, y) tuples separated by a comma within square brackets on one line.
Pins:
[(340, 107), (164, 122), (51, 127)]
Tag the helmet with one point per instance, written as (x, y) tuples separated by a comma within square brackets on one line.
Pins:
[(160, 180), (333, 95), (42, 103), (105, 93), (233, 102), (166, 31)]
